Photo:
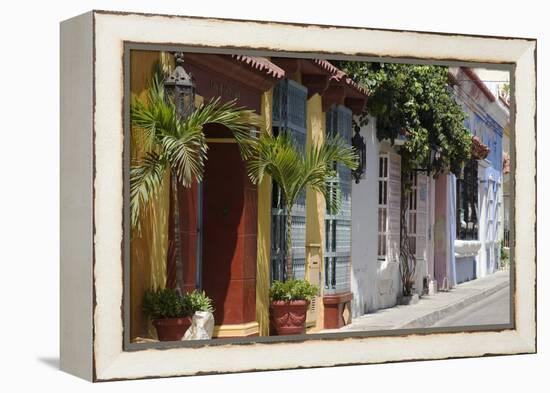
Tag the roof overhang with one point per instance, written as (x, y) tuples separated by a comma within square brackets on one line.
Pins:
[(323, 78)]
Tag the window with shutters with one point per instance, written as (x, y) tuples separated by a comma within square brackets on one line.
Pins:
[(394, 207), (383, 161), (389, 206), (411, 222), (289, 115), (498, 211), (467, 204), (491, 206), (417, 215), (493, 209), (338, 223)]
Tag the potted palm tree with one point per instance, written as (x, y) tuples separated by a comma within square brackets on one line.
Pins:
[(175, 144), (294, 171)]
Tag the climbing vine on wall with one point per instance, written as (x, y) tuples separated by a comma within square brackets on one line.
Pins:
[(414, 102)]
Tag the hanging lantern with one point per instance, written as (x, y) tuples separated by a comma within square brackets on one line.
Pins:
[(461, 173), (358, 143), (435, 154), (180, 87)]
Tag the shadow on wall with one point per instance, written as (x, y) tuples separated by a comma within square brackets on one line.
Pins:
[(223, 209)]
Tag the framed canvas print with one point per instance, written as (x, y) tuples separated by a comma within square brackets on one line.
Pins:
[(246, 195)]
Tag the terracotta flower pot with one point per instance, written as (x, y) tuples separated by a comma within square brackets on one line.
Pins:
[(289, 317), (171, 329)]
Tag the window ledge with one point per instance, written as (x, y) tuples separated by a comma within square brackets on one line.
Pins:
[(466, 248)]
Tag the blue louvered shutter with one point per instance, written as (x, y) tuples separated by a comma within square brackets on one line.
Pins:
[(289, 115), (338, 224)]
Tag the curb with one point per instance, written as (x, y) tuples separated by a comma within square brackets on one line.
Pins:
[(435, 316)]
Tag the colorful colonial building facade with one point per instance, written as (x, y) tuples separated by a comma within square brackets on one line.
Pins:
[(232, 231), (479, 193)]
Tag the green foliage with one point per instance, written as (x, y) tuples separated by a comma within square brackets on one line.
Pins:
[(198, 301), (176, 144), (164, 303), (168, 303), (293, 171), (415, 100), (292, 290), (505, 89), (504, 255)]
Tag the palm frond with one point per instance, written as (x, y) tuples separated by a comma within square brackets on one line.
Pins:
[(145, 182), (334, 149), (278, 158), (180, 144), (156, 116), (294, 171), (319, 168), (238, 120), (186, 155)]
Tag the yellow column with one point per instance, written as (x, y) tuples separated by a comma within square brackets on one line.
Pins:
[(315, 215), (264, 230)]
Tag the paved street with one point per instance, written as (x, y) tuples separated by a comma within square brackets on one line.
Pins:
[(493, 310), (484, 301)]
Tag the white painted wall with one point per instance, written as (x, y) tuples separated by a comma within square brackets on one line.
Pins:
[(375, 284), (481, 269), (489, 230), (423, 223), (505, 190), (364, 235), (430, 228)]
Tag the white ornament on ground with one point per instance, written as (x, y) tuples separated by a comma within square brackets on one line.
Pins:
[(201, 328)]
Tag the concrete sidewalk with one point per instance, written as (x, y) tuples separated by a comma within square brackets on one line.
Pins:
[(430, 309)]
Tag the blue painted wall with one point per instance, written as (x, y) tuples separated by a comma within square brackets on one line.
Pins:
[(489, 131)]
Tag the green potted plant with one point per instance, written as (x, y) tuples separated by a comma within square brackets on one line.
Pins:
[(289, 303), (202, 310), (197, 301), (169, 312), (294, 171)]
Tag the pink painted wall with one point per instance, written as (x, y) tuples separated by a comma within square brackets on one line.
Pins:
[(441, 253)]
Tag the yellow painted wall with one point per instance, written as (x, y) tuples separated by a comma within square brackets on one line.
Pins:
[(148, 248), (315, 208), (315, 224), (264, 230)]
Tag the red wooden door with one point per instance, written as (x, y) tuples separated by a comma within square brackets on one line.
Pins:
[(229, 235)]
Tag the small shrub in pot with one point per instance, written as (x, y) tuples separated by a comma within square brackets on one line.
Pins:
[(289, 303), (169, 312), (197, 301)]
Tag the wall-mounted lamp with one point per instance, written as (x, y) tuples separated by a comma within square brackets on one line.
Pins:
[(435, 154), (358, 143)]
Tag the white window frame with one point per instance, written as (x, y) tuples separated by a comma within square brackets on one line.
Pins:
[(383, 179), (490, 209), (412, 222)]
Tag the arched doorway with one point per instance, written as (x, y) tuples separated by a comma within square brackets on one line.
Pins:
[(229, 242)]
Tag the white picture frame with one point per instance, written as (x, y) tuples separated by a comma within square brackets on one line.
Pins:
[(92, 140)]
